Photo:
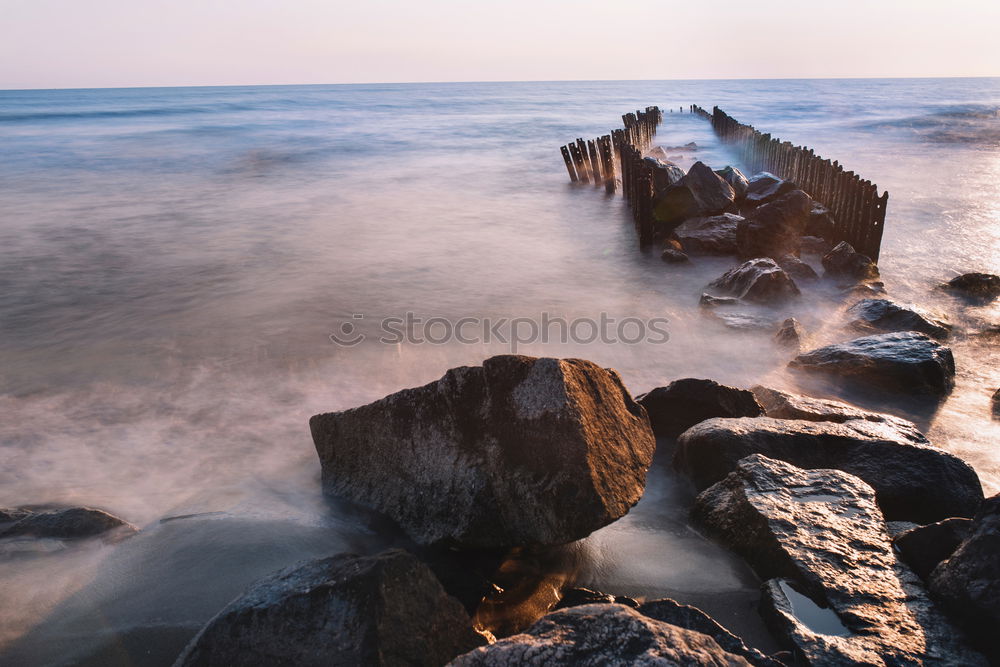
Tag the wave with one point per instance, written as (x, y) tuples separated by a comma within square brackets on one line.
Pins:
[(965, 124)]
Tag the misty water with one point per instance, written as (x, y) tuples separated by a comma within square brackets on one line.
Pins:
[(173, 262)]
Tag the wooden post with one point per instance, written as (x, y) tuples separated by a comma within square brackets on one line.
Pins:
[(596, 164), (569, 163), (581, 170)]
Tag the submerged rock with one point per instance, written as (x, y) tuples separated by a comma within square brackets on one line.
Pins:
[(908, 362), (737, 181), (683, 403), (709, 301), (968, 583), (760, 280), (601, 634), (923, 547), (765, 187), (387, 609), (673, 256), (790, 334), (774, 229), (518, 451), (886, 315), (914, 480), (983, 287), (844, 263), (744, 321), (715, 235), (820, 538), (574, 597), (63, 523)]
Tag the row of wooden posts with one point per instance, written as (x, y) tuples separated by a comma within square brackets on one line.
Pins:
[(857, 208), (594, 161)]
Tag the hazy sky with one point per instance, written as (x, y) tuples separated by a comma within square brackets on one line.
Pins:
[(82, 43)]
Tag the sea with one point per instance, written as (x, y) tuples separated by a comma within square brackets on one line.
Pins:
[(188, 274)]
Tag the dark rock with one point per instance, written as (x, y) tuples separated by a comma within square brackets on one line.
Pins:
[(518, 451), (683, 403), (869, 290), (765, 187), (709, 301), (886, 315), (843, 263), (968, 583), (836, 591), (701, 192), (760, 280), (12, 514), (737, 181), (65, 523), (574, 597), (797, 269), (774, 229), (984, 287), (908, 362), (665, 174), (692, 618), (601, 634), (790, 334), (914, 480), (923, 547), (715, 235), (820, 223), (673, 256), (387, 609), (995, 399), (814, 245)]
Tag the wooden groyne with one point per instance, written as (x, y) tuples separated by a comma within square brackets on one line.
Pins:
[(857, 208)]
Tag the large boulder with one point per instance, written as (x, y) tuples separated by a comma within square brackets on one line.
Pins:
[(908, 362), (968, 583), (518, 451), (820, 223), (836, 591), (886, 315), (923, 547), (387, 609), (982, 287), (737, 181), (774, 229), (701, 192), (601, 634), (914, 480), (715, 235), (843, 263), (665, 174), (760, 280), (63, 523), (683, 403), (765, 187)]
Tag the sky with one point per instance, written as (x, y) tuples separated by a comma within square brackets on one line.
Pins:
[(110, 43)]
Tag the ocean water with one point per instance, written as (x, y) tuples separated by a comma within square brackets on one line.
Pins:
[(173, 262)]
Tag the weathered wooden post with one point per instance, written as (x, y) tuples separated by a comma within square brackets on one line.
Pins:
[(569, 163)]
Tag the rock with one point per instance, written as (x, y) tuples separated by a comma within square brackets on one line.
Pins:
[(797, 269), (820, 223), (923, 547), (683, 403), (774, 229), (783, 405), (692, 618), (914, 480), (518, 451), (709, 301), (790, 334), (968, 583), (886, 315), (673, 256), (387, 609), (657, 152), (995, 400), (908, 362), (843, 263), (715, 235), (601, 634), (814, 245), (869, 290), (64, 523), (744, 321), (700, 193), (835, 590), (665, 173), (760, 280), (737, 181), (574, 597), (983, 287), (765, 187)]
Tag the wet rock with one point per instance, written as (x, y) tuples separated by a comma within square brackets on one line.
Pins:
[(760, 280), (914, 480), (765, 187), (869, 290), (601, 634), (790, 334), (574, 597), (820, 539), (387, 609), (814, 245), (709, 301), (907, 362), (995, 400), (63, 523), (673, 256), (692, 618), (744, 321), (774, 229), (923, 547), (518, 451), (683, 403), (968, 583), (797, 269), (844, 263), (984, 287), (737, 181), (715, 235), (886, 315), (820, 223), (665, 173), (657, 152), (700, 193)]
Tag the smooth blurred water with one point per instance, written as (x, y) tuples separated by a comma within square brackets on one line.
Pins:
[(172, 262)]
